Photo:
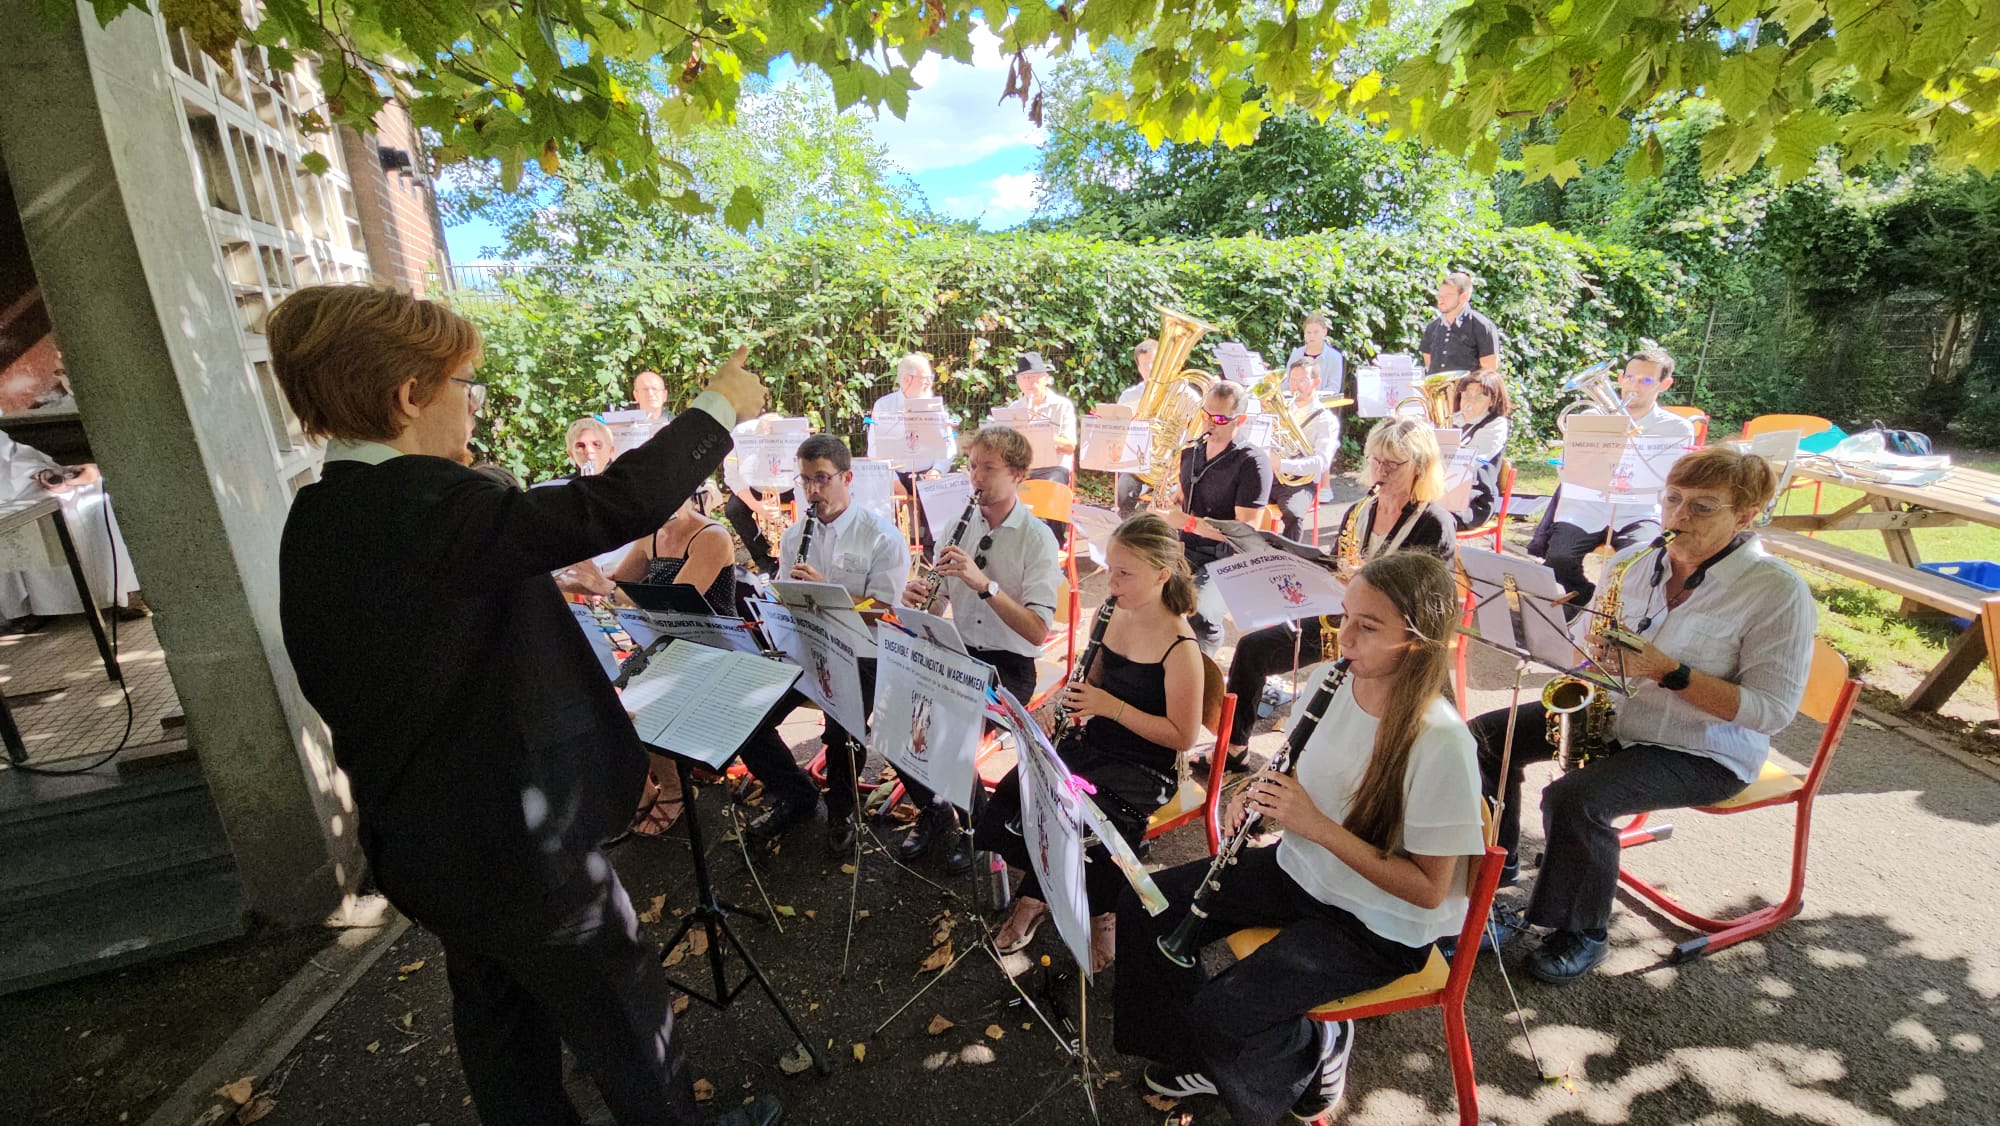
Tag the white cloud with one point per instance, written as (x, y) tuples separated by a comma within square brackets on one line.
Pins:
[(957, 118), (1013, 195)]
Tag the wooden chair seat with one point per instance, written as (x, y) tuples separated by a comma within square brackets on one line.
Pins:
[(1774, 783), (1425, 981)]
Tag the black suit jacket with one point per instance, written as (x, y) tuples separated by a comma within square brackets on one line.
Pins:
[(488, 753)]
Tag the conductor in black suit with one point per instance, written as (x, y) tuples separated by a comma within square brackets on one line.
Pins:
[(487, 752)]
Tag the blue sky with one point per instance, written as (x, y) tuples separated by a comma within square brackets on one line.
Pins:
[(972, 157)]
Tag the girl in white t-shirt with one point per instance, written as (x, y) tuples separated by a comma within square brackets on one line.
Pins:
[(1379, 818)]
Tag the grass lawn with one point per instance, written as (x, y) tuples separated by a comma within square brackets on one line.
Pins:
[(1860, 621)]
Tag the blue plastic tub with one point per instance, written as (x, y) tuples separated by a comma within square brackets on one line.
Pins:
[(1979, 574)]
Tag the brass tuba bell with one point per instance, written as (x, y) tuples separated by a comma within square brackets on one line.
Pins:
[(1291, 436), (1165, 400)]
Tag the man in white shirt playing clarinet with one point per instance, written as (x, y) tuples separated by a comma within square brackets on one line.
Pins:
[(1322, 428), (865, 555), (1000, 579)]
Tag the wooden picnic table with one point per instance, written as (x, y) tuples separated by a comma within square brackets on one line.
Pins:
[(1965, 496)]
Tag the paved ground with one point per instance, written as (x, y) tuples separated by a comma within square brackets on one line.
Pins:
[(1877, 1005)]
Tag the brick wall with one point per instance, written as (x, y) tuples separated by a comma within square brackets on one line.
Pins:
[(397, 206)]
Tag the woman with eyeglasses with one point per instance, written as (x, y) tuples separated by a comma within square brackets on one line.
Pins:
[(1222, 477), (590, 447), (1400, 513), (1724, 635), (999, 584)]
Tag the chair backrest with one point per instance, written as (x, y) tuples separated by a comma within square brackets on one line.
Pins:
[(1212, 691), (1048, 500), (1697, 416), (1823, 682), (1806, 424)]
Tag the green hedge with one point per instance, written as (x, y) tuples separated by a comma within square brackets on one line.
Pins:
[(834, 316)]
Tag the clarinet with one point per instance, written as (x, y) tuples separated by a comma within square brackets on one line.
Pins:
[(805, 536), (1179, 946), (1063, 724), (957, 537)]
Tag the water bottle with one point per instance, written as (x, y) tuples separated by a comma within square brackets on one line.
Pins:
[(994, 890)]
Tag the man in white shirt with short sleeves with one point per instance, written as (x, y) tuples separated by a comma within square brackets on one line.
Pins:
[(1322, 430)]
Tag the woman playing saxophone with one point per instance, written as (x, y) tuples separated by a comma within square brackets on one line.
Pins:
[(1717, 642)]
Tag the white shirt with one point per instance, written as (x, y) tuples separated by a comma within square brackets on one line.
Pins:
[(860, 550), (1440, 816), (892, 404), (1490, 440), (1025, 561), (1589, 509), (1062, 412), (1322, 427), (1750, 622)]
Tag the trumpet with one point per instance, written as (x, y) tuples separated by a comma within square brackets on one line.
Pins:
[(929, 571), (1179, 945)]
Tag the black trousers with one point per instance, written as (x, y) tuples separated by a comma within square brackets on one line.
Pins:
[(1126, 792), (590, 983), (1209, 609), (1295, 505), (1261, 654), (1128, 489), (771, 761), (742, 518), (1568, 545), (1579, 875), (1017, 675), (1245, 1028)]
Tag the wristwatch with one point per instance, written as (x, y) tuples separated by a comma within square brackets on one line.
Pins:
[(992, 588), (1678, 679)]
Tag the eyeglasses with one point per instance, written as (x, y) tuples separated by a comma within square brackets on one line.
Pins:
[(475, 393), (1221, 419), (1698, 507), (1386, 465), (1641, 380), (816, 481)]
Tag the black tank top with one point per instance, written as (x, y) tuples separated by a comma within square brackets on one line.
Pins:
[(664, 570), (1143, 687)]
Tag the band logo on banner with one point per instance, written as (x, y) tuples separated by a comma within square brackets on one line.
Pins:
[(830, 667), (1113, 445), (1271, 587), (769, 461), (929, 704)]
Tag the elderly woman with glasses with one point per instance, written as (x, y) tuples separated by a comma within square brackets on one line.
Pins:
[(1405, 478), (1717, 639)]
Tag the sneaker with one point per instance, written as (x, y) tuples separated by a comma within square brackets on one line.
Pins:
[(839, 834), (1177, 1085), (1509, 923), (1333, 1063), (1565, 956)]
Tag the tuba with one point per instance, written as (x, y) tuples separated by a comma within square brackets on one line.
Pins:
[(1597, 388), (1291, 436), (1164, 400), (1432, 401)]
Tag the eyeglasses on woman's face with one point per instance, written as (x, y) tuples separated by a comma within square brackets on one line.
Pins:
[(1698, 507)]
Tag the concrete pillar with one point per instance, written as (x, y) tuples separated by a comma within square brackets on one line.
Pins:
[(90, 131)]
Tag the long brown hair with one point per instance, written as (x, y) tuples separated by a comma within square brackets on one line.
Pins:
[(1156, 543), (1427, 599)]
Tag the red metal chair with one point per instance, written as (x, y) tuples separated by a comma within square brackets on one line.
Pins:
[(1442, 982), (1807, 425), (1493, 527), (1830, 698), (1191, 798), (1697, 416)]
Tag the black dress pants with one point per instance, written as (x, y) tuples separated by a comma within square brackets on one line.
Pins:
[(771, 761), (1295, 505), (1017, 675), (1245, 1028), (1579, 875), (591, 983), (1569, 545), (1261, 654)]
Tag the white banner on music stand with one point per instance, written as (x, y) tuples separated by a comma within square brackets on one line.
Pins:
[(929, 704), (875, 488), (631, 429), (1604, 460), (1239, 364), (1113, 445), (1271, 587), (1379, 386), (1040, 433), (1528, 620), (932, 628), (830, 667), (768, 461), (917, 437), (599, 641), (1258, 430), (648, 626), (1052, 825), (943, 500)]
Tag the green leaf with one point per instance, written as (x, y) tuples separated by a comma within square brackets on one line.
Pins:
[(744, 209), (1744, 82), (1797, 140), (315, 163)]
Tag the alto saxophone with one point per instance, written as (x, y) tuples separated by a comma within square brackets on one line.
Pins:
[(929, 570), (1565, 696)]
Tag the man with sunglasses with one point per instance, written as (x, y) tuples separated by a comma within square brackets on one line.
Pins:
[(1222, 478), (867, 556), (1001, 582), (1579, 520)]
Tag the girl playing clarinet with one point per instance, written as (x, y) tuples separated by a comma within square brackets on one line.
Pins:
[(1138, 709), (1378, 816)]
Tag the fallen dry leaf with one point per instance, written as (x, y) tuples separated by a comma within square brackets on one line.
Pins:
[(938, 1024), (409, 1018), (1161, 1102), (860, 1053), (697, 943), (847, 869), (256, 1110), (652, 912), (680, 1004), (811, 914), (787, 912), (376, 1046), (861, 914), (937, 1060), (939, 958), (796, 1061), (976, 1054), (995, 1032), (703, 1090), (239, 1091), (410, 967)]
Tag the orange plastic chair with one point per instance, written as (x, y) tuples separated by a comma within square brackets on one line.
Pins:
[(1806, 424), (1493, 527), (1442, 982), (1191, 798), (1830, 698), (1700, 419)]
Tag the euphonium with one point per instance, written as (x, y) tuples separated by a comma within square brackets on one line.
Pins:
[(1291, 435), (1598, 388), (929, 570), (1164, 401), (1179, 946), (1432, 398), (1565, 696)]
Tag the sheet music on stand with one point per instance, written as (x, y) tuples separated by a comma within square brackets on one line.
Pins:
[(1239, 364), (831, 601), (704, 703), (1518, 610)]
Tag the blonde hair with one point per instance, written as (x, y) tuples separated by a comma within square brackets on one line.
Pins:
[(340, 352), (1406, 439), (583, 424), (1426, 597), (1156, 544)]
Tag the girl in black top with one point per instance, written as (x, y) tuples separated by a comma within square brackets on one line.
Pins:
[(1136, 712), (1400, 513), (689, 549)]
